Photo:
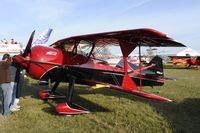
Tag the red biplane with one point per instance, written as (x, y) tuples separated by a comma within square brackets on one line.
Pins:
[(79, 59)]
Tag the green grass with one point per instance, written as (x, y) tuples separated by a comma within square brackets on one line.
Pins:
[(113, 111)]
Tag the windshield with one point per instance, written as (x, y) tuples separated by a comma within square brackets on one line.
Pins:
[(84, 48), (81, 48)]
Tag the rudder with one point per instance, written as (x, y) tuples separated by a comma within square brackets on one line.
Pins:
[(158, 67)]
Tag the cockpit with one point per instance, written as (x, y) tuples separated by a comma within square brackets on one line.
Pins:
[(83, 48)]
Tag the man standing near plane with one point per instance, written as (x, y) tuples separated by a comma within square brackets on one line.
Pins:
[(5, 85), (15, 73)]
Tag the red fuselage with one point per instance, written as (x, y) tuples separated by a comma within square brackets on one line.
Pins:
[(47, 63), (40, 60), (43, 59)]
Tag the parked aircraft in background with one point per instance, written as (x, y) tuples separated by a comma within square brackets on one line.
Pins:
[(186, 61)]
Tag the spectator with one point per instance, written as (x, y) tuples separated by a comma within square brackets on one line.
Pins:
[(19, 85), (12, 41), (15, 72), (5, 85), (4, 41)]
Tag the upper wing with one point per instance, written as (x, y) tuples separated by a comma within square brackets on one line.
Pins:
[(144, 37), (128, 40)]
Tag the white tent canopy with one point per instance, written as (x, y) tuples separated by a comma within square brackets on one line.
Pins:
[(188, 52)]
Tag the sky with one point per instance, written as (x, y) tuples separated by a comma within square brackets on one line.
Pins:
[(179, 19)]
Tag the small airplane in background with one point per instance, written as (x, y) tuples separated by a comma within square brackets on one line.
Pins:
[(186, 61), (79, 59)]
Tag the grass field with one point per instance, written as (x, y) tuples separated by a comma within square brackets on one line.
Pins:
[(113, 111)]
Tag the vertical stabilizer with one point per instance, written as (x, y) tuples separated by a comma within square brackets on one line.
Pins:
[(158, 66)]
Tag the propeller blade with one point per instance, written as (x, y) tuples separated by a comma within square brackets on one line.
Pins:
[(28, 46)]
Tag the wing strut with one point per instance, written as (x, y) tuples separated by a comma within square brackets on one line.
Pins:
[(140, 64)]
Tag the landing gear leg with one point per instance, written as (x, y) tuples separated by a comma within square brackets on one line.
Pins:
[(55, 87), (66, 108), (70, 90)]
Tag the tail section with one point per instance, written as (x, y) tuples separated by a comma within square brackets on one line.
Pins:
[(198, 60), (154, 67), (157, 67)]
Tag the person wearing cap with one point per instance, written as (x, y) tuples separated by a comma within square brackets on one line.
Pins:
[(5, 85)]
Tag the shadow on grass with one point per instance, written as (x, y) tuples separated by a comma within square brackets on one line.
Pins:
[(35, 88), (183, 116), (92, 107)]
